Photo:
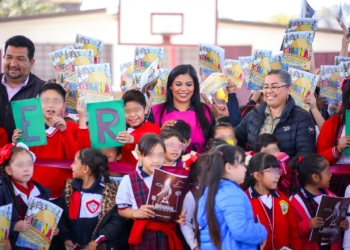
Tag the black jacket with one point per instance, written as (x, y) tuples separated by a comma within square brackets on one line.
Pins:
[(29, 91), (6, 198), (295, 130)]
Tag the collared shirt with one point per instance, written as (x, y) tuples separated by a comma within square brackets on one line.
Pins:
[(171, 108), (269, 123), (33, 193), (12, 91), (266, 199)]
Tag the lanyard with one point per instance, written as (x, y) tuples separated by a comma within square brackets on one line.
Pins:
[(271, 225)]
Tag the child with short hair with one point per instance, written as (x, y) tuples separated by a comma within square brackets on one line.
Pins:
[(270, 206), (184, 129), (212, 143), (113, 154), (90, 216), (313, 173), (174, 145), (225, 132), (137, 126), (223, 215), (267, 143)]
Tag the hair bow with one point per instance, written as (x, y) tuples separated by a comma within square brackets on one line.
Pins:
[(300, 159), (24, 146), (189, 159), (5, 153)]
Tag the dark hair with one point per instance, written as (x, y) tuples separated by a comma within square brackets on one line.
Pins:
[(259, 162), (212, 143), (14, 152), (53, 80), (134, 95), (310, 164), (183, 128), (96, 161), (168, 133), (345, 107), (21, 41), (284, 76), (246, 109), (251, 95), (212, 174), (196, 169), (199, 108), (317, 91), (263, 141), (225, 119), (148, 142), (53, 86), (222, 125)]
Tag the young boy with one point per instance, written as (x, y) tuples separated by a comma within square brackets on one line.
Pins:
[(184, 130), (225, 132), (266, 143), (64, 139), (137, 126)]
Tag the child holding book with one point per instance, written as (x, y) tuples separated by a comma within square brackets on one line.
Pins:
[(137, 125), (90, 216), (132, 199), (174, 145), (271, 207), (17, 186), (313, 172), (223, 214)]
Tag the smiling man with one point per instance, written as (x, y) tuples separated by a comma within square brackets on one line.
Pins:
[(17, 82)]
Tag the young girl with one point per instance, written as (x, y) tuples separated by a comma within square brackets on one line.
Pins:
[(17, 187), (132, 198), (174, 145), (90, 216), (271, 207), (189, 201), (314, 175), (223, 215)]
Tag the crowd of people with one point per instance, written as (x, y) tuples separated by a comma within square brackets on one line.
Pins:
[(239, 196)]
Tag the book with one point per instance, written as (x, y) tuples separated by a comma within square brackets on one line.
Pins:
[(57, 59), (302, 84), (211, 58), (149, 78), (329, 83), (339, 59), (333, 210), (260, 68), (213, 83), (5, 224), (246, 62), (166, 194), (306, 10), (86, 42), (44, 217), (126, 72), (276, 61), (159, 91), (234, 72), (342, 21)]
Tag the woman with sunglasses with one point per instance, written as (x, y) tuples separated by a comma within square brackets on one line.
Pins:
[(293, 127), (271, 207)]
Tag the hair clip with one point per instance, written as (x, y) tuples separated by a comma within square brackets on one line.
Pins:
[(5, 152), (300, 159)]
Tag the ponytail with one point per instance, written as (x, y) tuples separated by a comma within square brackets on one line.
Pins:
[(295, 173), (97, 162)]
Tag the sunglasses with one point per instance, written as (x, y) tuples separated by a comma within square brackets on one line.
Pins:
[(175, 145)]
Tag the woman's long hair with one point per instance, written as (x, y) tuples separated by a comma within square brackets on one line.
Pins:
[(199, 108), (212, 174)]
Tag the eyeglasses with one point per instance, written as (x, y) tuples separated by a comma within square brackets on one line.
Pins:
[(175, 145), (273, 88), (273, 171)]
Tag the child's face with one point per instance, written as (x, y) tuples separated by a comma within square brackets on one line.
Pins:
[(78, 169), (225, 134), (325, 177), (52, 104), (21, 168), (111, 154), (235, 172), (134, 114), (154, 159), (271, 149), (269, 177), (174, 149)]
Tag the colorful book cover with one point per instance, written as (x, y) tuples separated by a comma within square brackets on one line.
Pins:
[(342, 20), (5, 223), (330, 85), (149, 78), (234, 71), (126, 73), (94, 82), (211, 58), (213, 83), (297, 50), (159, 91), (260, 68), (276, 61), (77, 57), (85, 42), (57, 59), (302, 83), (332, 210), (166, 194), (44, 217), (157, 99), (246, 62), (344, 70), (306, 10), (339, 59), (145, 56)]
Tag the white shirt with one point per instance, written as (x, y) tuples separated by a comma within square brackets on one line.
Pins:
[(33, 193), (188, 229)]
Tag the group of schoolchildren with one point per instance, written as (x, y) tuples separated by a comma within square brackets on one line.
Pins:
[(231, 203)]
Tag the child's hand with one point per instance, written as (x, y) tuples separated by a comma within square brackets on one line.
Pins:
[(310, 99), (145, 212), (125, 137), (168, 124), (344, 224), (343, 143), (17, 134), (182, 218), (223, 110), (59, 123), (69, 244), (22, 226), (316, 222), (81, 108), (92, 245), (7, 245), (56, 231), (231, 86)]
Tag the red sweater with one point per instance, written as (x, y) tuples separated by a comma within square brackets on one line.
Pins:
[(285, 232), (326, 144), (60, 145), (147, 127), (3, 137)]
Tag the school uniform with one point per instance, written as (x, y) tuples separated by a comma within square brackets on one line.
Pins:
[(146, 233), (277, 215), (305, 207), (3, 137)]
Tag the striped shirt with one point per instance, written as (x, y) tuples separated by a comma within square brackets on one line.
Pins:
[(269, 123)]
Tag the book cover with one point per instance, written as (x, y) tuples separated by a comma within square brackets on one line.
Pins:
[(339, 59), (166, 194), (145, 56), (234, 72), (126, 72), (213, 83), (246, 62), (276, 61), (5, 224), (260, 68), (57, 59), (306, 10), (211, 58), (329, 83), (85, 42), (342, 20), (148, 79)]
